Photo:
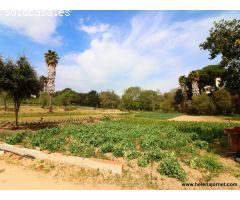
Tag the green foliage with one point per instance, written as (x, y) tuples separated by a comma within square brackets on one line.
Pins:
[(130, 98), (149, 100), (143, 161), (168, 102), (201, 144), (144, 139), (51, 57), (202, 104), (208, 162), (109, 99), (107, 147), (81, 149), (222, 99), (15, 138), (19, 80), (171, 167), (194, 76), (224, 40), (208, 75)]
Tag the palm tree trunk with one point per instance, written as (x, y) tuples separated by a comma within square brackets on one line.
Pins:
[(50, 103)]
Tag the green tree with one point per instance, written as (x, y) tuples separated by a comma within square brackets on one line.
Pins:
[(109, 99), (222, 99), (224, 41), (194, 78), (66, 97), (208, 75), (51, 59), (5, 98), (149, 100), (168, 102), (20, 81), (43, 83), (202, 104), (92, 99), (130, 98)]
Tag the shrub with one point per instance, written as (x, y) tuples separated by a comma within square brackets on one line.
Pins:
[(201, 144), (107, 147), (15, 138), (202, 105), (207, 162), (222, 99), (155, 154), (172, 168), (82, 150), (143, 161)]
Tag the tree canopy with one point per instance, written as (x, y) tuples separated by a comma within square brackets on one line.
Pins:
[(224, 41), (19, 80)]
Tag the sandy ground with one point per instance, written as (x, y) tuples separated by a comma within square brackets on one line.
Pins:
[(200, 119), (17, 177)]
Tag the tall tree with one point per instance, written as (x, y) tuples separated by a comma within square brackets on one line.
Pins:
[(149, 100), (51, 59), (182, 82), (224, 41), (109, 99), (130, 98), (194, 77), (20, 81)]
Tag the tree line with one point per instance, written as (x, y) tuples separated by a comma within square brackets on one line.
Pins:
[(215, 89), (198, 92)]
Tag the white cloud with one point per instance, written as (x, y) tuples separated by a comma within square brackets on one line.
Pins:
[(39, 29), (95, 28), (155, 52)]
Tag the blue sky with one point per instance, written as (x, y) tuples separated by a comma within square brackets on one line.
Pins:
[(113, 50)]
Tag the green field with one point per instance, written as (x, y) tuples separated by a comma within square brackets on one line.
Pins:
[(145, 138)]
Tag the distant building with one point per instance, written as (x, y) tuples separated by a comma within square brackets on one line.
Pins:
[(210, 89)]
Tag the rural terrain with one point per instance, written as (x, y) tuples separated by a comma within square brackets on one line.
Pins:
[(189, 150)]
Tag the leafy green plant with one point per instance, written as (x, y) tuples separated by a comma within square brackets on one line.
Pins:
[(172, 168), (143, 161), (207, 162), (107, 147), (15, 138)]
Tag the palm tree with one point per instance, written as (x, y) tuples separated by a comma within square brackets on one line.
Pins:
[(51, 59), (182, 82), (194, 77)]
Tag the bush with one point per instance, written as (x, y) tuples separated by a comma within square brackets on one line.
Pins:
[(172, 168), (15, 138), (82, 150), (143, 161), (107, 147), (202, 105), (207, 162), (222, 100)]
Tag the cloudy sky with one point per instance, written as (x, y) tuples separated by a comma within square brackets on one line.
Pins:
[(113, 50)]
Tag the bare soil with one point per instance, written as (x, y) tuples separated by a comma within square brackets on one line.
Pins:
[(23, 173), (200, 119)]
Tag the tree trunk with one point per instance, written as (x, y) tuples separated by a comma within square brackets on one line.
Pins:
[(50, 103), (5, 103), (17, 104)]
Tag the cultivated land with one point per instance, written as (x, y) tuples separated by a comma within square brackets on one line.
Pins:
[(156, 153)]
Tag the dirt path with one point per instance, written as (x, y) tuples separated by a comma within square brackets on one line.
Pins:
[(199, 119), (18, 178)]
